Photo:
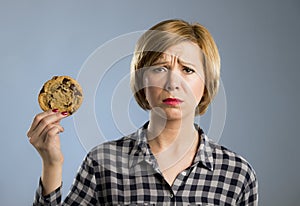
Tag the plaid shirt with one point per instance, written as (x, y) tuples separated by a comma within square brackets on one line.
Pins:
[(125, 172)]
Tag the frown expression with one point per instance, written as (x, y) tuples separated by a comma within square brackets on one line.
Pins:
[(175, 82)]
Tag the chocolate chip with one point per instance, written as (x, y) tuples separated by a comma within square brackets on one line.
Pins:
[(65, 81), (72, 87), (42, 90), (78, 93)]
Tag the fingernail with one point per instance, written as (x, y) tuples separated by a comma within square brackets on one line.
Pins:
[(64, 113), (54, 110)]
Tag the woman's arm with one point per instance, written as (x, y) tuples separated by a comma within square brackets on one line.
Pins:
[(43, 135)]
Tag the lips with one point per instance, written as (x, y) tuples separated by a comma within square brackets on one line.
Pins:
[(172, 101)]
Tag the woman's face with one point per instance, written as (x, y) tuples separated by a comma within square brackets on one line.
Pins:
[(174, 84)]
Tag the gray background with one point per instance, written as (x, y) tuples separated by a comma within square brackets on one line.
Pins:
[(259, 46)]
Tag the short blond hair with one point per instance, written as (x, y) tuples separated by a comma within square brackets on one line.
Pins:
[(160, 37)]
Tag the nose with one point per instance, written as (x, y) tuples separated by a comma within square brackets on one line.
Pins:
[(172, 81)]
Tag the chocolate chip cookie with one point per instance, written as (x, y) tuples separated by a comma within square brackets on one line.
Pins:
[(61, 92)]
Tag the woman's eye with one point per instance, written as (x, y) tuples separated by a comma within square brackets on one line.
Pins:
[(159, 69), (188, 70)]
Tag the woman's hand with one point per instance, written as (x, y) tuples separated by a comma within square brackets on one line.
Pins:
[(44, 136)]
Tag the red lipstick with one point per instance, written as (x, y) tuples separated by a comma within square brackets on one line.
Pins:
[(172, 101)]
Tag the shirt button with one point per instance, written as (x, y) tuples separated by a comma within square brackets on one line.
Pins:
[(171, 195), (184, 173)]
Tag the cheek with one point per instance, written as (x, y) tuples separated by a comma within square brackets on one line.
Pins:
[(153, 81), (152, 87), (152, 95), (196, 89)]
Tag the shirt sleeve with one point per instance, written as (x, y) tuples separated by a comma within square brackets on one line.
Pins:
[(54, 198), (250, 193), (83, 190)]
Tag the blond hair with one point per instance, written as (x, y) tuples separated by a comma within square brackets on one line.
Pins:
[(157, 39)]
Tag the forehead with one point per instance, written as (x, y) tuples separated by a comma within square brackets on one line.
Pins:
[(185, 51)]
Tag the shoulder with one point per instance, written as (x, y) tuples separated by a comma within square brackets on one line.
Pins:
[(232, 164), (235, 171), (112, 150)]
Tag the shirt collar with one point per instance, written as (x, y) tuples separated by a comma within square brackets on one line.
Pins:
[(204, 154), (141, 151)]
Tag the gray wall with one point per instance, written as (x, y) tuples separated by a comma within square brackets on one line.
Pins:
[(259, 45)]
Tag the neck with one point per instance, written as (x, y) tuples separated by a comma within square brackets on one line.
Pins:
[(171, 141), (164, 134)]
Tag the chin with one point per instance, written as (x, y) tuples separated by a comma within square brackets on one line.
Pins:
[(173, 114), (168, 113)]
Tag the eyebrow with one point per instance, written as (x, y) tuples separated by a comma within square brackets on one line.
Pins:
[(159, 61), (186, 63)]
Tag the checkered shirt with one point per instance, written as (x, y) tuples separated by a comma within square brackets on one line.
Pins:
[(125, 172)]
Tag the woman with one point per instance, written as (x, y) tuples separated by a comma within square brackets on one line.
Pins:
[(169, 160)]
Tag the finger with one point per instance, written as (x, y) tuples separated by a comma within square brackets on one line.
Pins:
[(53, 118), (52, 131), (36, 120), (49, 131), (52, 134), (52, 140)]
